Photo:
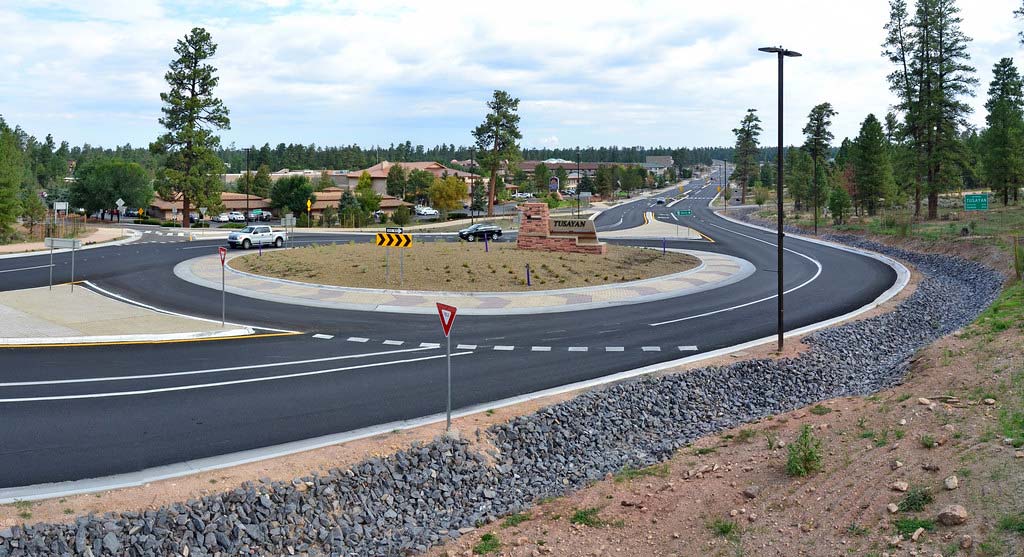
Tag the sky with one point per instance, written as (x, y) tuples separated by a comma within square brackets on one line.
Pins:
[(659, 72)]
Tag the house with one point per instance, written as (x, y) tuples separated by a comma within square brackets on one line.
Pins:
[(231, 201), (331, 197), (337, 176), (379, 173), (658, 164)]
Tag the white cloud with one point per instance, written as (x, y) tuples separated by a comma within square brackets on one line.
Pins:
[(380, 71)]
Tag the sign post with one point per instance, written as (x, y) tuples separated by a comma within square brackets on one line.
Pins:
[(309, 213), (223, 297), (393, 238), (63, 243), (401, 255), (120, 209), (447, 315)]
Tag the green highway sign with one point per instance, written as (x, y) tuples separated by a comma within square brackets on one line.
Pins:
[(684, 213), (976, 202)]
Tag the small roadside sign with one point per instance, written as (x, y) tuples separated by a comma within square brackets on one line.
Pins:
[(202, 211), (976, 202), (719, 189), (447, 315), (140, 212), (119, 203), (394, 240), (60, 206), (62, 243), (309, 205), (393, 230), (223, 253), (684, 213)]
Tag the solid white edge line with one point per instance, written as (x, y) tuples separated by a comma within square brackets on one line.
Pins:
[(47, 266), (166, 312), (64, 489)]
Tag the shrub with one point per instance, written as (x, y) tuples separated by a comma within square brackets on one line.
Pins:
[(760, 195), (915, 500), (1012, 523), (587, 517), (402, 216), (804, 454), (907, 526), (820, 410), (724, 528), (489, 543), (928, 442), (170, 224), (235, 225)]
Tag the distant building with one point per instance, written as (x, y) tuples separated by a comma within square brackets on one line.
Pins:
[(331, 197), (658, 164), (161, 208), (379, 173)]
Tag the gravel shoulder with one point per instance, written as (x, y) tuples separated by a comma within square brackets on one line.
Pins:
[(463, 266)]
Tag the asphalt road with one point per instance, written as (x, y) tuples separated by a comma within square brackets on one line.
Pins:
[(81, 412)]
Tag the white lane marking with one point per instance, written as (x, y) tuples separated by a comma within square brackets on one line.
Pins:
[(394, 342), (651, 349), (223, 383), (687, 348), (430, 345), (504, 348), (25, 269), (164, 311), (674, 217), (578, 349), (205, 371), (358, 339), (466, 347), (614, 349), (773, 296), (323, 337), (540, 349)]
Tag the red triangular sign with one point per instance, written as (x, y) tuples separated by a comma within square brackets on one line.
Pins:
[(447, 314), (223, 253)]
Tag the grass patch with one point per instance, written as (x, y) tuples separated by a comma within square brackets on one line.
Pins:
[(907, 526), (515, 520), (857, 530), (1006, 312), (629, 473), (724, 528), (24, 509), (903, 398), (916, 500), (590, 517), (1012, 523), (489, 543), (928, 442), (804, 454), (704, 450), (745, 435), (820, 410)]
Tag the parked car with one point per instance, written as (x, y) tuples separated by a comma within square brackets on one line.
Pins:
[(259, 215), (480, 231), (659, 200), (236, 216), (424, 211), (259, 235), (223, 217), (522, 195), (194, 217)]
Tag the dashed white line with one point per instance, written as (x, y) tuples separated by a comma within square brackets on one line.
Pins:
[(358, 339), (466, 347), (394, 342), (540, 349), (430, 345), (687, 348), (504, 347), (578, 349), (323, 337), (651, 349), (614, 349)]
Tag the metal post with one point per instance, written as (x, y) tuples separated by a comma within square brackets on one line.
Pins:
[(527, 274), (663, 246), (248, 184), (387, 264), (51, 266), (579, 180), (401, 268), (72, 268), (448, 407), (223, 297)]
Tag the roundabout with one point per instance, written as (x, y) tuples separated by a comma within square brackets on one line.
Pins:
[(128, 413)]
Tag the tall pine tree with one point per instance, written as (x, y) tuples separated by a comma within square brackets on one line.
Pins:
[(817, 140), (746, 151), (872, 166), (1003, 141)]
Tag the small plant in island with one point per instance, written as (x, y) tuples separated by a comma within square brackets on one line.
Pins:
[(916, 500), (1012, 523), (804, 454), (907, 526), (928, 442), (489, 543), (820, 410), (724, 528), (630, 473)]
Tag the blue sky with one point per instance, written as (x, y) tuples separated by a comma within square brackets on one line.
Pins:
[(665, 72)]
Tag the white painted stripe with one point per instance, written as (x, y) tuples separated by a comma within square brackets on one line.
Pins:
[(651, 349), (394, 342), (358, 339), (614, 349), (25, 268), (578, 349), (164, 311), (223, 383), (466, 347), (540, 349), (687, 348), (505, 348), (765, 299), (430, 345), (323, 337)]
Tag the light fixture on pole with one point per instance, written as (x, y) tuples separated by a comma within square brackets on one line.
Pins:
[(781, 53)]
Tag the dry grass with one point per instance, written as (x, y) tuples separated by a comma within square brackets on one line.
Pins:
[(450, 266)]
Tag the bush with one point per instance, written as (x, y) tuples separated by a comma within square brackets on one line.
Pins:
[(916, 500), (804, 454), (200, 224), (489, 543), (760, 195), (458, 215), (149, 220), (170, 224), (233, 225), (402, 216)]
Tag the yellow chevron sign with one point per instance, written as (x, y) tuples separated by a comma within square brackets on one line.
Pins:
[(394, 240)]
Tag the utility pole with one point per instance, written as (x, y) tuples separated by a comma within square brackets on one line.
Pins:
[(248, 183), (579, 180)]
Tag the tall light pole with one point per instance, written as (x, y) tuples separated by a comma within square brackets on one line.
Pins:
[(248, 183), (781, 53), (579, 180)]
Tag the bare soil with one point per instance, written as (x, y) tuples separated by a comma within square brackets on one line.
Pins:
[(463, 266)]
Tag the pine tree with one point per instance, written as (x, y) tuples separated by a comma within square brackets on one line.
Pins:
[(1003, 141), (190, 114), (872, 166), (12, 168), (496, 139), (746, 150), (817, 141)]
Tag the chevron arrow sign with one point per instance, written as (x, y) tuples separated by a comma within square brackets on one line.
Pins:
[(394, 240)]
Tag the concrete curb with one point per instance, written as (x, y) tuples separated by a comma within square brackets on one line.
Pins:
[(107, 339), (183, 271), (134, 236)]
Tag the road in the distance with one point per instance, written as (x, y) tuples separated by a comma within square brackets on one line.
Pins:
[(92, 411)]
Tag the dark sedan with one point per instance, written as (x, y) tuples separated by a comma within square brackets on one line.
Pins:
[(480, 231)]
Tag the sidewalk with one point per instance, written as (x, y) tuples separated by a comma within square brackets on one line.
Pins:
[(715, 271), (42, 316), (99, 235)]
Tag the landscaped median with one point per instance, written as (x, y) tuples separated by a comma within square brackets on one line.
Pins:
[(545, 294)]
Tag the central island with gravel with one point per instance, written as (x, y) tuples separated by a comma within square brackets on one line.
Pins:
[(448, 266)]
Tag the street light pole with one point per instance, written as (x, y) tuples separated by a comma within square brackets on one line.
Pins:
[(248, 184), (781, 53), (579, 180)]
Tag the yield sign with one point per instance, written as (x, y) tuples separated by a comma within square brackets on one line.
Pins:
[(223, 253), (447, 314)]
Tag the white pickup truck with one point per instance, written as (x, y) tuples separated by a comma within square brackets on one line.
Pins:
[(257, 235)]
